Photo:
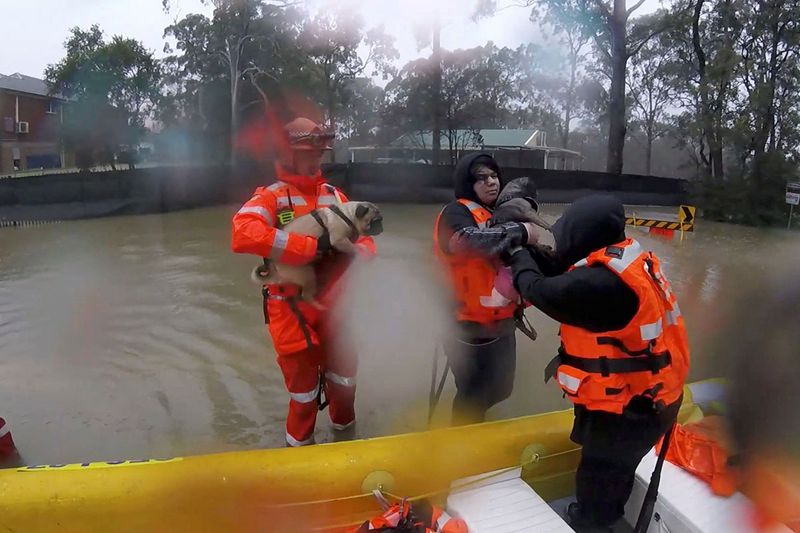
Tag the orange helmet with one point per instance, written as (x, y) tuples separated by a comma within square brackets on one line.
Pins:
[(305, 134)]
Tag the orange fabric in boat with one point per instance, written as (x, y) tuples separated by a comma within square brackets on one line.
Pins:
[(702, 448)]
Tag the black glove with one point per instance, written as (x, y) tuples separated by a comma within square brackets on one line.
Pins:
[(515, 235), (547, 259)]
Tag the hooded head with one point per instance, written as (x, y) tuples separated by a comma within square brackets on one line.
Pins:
[(589, 224), (465, 178)]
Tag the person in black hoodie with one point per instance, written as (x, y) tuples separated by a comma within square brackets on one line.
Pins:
[(483, 353), (597, 301)]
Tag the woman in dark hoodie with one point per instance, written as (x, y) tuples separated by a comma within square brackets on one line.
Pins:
[(483, 353)]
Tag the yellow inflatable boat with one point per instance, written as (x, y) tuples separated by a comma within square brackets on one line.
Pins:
[(317, 488)]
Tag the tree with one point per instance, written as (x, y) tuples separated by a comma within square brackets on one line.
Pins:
[(651, 90), (737, 75), (359, 119), (241, 45), (233, 20), (574, 38), (480, 89), (112, 87), (617, 43), (715, 64), (331, 41), (769, 49)]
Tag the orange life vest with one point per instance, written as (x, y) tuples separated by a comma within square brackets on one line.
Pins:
[(473, 277), (648, 357), (702, 449), (402, 516)]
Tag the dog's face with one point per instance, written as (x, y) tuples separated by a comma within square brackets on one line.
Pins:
[(517, 203), (368, 219), (517, 188)]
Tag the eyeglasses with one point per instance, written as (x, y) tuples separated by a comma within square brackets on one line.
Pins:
[(483, 177)]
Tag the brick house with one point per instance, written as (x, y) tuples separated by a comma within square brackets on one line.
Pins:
[(30, 124)]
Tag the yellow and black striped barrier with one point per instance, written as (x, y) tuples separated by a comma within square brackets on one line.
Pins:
[(25, 223), (659, 224), (666, 228), (685, 220)]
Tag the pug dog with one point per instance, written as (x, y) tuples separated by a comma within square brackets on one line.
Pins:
[(517, 203), (344, 223)]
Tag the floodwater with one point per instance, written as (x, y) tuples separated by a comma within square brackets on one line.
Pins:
[(143, 336)]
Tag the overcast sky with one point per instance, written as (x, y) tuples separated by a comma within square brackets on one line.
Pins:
[(34, 30)]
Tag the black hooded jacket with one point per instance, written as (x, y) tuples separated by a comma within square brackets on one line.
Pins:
[(458, 228), (457, 224), (593, 298)]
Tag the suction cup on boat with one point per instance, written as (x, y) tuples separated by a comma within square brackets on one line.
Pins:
[(380, 480), (531, 454)]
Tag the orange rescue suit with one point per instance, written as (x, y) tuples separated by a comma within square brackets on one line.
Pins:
[(257, 230)]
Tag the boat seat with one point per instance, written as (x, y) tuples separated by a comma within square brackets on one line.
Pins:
[(502, 504), (686, 504)]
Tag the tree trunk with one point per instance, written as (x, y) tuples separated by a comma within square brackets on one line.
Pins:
[(234, 67), (570, 102), (710, 132), (713, 126), (437, 94), (767, 104), (234, 117), (619, 61), (450, 135), (649, 153), (330, 89)]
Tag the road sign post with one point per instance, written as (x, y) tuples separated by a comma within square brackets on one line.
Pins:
[(686, 217), (792, 198)]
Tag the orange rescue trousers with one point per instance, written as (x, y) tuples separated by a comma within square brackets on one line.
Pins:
[(306, 374)]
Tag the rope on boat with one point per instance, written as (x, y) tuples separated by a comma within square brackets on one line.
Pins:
[(535, 459)]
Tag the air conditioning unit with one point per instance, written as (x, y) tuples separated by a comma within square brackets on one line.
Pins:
[(23, 127)]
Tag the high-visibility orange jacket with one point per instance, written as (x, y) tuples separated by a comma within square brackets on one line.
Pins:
[(257, 230)]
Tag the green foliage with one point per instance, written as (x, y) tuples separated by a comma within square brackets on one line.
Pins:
[(111, 88), (756, 197)]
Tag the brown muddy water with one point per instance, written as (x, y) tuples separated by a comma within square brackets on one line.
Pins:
[(143, 336)]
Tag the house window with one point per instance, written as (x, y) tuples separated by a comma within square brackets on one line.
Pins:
[(52, 107)]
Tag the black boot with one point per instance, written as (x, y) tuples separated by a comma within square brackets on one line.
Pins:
[(582, 524)]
